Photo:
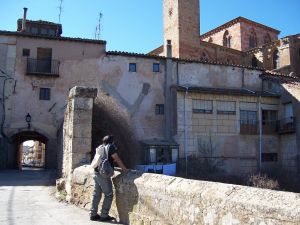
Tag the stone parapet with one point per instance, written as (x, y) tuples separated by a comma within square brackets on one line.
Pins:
[(142, 198)]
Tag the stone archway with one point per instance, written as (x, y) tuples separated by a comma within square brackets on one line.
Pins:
[(110, 119), (18, 139)]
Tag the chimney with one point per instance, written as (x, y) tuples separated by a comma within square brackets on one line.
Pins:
[(169, 49), (24, 20)]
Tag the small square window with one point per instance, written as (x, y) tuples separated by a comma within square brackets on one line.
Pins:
[(34, 30), (156, 67), (26, 52), (45, 93), (132, 67), (159, 109), (269, 157)]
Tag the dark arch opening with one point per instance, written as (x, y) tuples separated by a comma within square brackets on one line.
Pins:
[(110, 119), (254, 61), (275, 59), (37, 158)]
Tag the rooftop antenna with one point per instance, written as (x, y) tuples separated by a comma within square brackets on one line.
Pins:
[(60, 9), (98, 28)]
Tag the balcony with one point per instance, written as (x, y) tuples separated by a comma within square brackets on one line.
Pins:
[(46, 67), (269, 126), (287, 125), (248, 127)]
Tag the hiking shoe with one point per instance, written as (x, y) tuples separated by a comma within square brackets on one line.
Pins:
[(108, 218), (95, 218)]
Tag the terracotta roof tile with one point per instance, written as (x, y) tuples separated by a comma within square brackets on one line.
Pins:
[(19, 34)]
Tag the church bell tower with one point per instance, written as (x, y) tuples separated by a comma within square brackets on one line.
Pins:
[(182, 26)]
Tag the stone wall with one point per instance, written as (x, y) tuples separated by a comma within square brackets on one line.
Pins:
[(77, 130), (161, 200)]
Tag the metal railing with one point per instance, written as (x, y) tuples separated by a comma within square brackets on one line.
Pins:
[(287, 125), (42, 66), (249, 127)]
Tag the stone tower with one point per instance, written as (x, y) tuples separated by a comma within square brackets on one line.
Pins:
[(182, 26)]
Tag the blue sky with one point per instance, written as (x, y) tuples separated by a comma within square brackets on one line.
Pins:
[(136, 25)]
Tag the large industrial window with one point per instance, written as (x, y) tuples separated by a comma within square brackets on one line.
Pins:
[(202, 106), (45, 93), (226, 107)]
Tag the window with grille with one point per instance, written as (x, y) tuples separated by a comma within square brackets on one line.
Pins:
[(159, 109), (45, 93), (226, 107), (202, 106), (26, 52)]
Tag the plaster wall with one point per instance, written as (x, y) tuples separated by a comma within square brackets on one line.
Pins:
[(218, 76)]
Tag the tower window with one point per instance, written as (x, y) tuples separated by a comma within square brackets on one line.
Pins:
[(252, 39), (267, 38), (132, 67), (275, 59), (254, 61), (227, 39)]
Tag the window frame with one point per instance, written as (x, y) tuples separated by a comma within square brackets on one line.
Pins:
[(202, 110), (226, 112), (132, 67), (156, 67), (26, 52), (159, 109), (45, 94)]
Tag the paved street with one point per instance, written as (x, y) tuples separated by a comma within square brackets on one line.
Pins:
[(27, 198)]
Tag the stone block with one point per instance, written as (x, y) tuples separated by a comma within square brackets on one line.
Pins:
[(81, 145), (83, 92), (83, 103)]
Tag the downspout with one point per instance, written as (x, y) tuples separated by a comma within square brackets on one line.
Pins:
[(260, 126), (260, 131), (185, 130)]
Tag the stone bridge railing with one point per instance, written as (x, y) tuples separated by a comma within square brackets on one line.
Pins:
[(143, 198)]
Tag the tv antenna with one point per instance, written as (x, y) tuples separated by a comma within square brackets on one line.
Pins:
[(98, 28), (60, 9)]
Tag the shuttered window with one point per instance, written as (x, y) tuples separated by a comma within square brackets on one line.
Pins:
[(202, 106), (226, 107)]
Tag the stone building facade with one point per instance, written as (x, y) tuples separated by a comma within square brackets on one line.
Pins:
[(180, 93)]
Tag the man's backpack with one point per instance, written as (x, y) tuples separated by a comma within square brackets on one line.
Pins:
[(105, 168)]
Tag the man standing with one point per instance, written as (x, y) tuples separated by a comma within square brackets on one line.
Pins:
[(103, 184)]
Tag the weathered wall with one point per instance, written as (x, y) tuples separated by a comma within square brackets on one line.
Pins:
[(237, 153), (164, 200), (218, 76)]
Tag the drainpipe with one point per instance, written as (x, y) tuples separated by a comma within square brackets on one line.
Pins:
[(168, 99), (260, 131), (185, 130), (24, 20)]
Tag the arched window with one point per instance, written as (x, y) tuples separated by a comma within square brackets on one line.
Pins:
[(267, 38), (254, 61), (210, 40), (227, 39), (275, 59), (252, 39)]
